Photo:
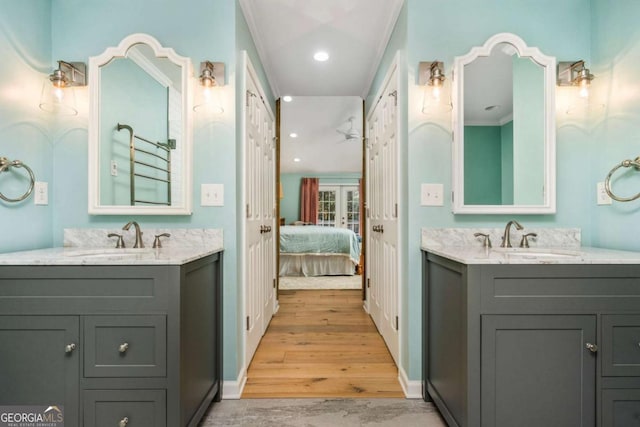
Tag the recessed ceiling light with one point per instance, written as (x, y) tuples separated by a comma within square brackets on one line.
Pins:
[(287, 98), (296, 159), (293, 135), (321, 56)]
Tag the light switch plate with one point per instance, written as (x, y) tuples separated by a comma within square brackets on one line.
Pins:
[(431, 195), (212, 195), (41, 193), (602, 198)]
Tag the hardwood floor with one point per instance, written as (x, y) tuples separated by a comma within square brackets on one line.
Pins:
[(321, 343)]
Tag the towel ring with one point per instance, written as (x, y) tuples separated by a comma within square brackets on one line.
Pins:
[(607, 182), (5, 164)]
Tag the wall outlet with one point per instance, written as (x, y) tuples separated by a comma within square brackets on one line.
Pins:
[(602, 198), (431, 195), (212, 195), (41, 193)]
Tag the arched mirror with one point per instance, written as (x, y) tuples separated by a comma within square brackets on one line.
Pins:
[(140, 130), (504, 129)]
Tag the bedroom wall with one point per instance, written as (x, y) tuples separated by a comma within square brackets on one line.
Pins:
[(290, 203)]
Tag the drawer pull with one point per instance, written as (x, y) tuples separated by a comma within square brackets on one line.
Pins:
[(123, 422), (69, 348), (123, 347), (592, 347)]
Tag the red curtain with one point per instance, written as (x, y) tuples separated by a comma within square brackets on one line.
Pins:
[(309, 200)]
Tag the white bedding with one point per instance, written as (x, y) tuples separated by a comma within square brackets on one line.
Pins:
[(316, 265)]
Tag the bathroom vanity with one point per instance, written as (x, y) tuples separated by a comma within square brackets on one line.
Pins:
[(129, 338), (532, 338)]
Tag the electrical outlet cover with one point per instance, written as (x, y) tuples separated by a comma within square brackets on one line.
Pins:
[(212, 195), (432, 195), (602, 198)]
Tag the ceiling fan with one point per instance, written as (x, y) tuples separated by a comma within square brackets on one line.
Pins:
[(351, 133)]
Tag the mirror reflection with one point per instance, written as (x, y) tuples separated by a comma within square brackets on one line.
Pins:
[(504, 129), (139, 133)]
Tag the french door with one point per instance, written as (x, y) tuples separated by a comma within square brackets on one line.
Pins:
[(339, 206), (382, 198), (259, 189)]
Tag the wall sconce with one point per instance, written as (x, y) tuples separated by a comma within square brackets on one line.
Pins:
[(57, 95), (211, 79), (575, 73), (431, 76)]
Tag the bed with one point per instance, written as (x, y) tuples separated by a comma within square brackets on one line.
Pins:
[(313, 250)]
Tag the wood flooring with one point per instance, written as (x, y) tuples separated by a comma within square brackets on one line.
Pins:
[(322, 343)]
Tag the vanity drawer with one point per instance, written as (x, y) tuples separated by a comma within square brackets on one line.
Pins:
[(127, 408), (125, 346), (620, 345), (620, 407)]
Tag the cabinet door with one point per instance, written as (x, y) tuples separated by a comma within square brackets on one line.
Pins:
[(36, 367), (620, 345), (621, 407), (128, 408), (537, 371)]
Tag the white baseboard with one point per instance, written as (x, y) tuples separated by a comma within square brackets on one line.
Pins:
[(233, 389), (412, 389)]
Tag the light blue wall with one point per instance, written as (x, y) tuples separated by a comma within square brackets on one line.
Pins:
[(290, 203), (615, 37), (443, 30), (25, 131)]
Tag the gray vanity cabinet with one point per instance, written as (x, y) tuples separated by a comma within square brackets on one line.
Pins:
[(532, 344), (115, 345), (40, 362), (535, 371)]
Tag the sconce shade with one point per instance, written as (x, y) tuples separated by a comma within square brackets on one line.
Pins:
[(575, 73), (211, 78), (431, 76), (58, 96)]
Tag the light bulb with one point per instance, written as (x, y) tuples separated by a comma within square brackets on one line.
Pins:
[(435, 92), (584, 88), (58, 94)]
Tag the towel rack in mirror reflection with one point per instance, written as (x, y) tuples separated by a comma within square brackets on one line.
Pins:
[(607, 182), (141, 165), (5, 165)]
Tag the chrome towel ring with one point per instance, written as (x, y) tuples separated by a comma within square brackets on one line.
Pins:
[(607, 182), (5, 164)]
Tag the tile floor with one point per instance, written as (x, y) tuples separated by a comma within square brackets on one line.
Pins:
[(323, 413)]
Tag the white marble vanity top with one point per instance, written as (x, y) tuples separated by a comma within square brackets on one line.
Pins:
[(537, 255), (92, 247), (551, 246)]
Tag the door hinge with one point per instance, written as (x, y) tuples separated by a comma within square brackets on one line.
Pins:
[(248, 323), (395, 97), (397, 321), (452, 196), (368, 216), (368, 283), (396, 211), (274, 283), (248, 213)]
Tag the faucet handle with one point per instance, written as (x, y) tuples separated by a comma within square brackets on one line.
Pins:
[(524, 243), (156, 242), (486, 243), (119, 242)]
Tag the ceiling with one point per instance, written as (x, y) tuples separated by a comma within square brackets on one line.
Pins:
[(287, 33)]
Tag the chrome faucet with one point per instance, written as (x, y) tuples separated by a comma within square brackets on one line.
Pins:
[(506, 238), (139, 243)]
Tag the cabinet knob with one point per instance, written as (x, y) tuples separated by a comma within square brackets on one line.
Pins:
[(123, 422), (69, 348), (591, 347), (123, 347)]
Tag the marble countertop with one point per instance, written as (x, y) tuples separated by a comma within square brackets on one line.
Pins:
[(537, 255), (110, 256)]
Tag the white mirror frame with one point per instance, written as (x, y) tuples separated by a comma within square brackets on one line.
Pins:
[(548, 63), (95, 62)]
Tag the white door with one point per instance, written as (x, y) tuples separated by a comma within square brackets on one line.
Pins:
[(259, 213), (382, 232)]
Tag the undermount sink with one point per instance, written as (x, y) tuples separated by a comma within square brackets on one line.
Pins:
[(110, 253), (538, 252)]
